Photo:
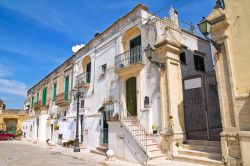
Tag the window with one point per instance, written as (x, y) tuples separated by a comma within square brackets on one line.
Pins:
[(54, 91), (32, 102), (37, 97), (199, 63), (104, 68), (44, 96), (66, 88), (183, 57), (88, 72), (82, 103)]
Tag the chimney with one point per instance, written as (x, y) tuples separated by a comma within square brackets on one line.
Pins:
[(173, 14)]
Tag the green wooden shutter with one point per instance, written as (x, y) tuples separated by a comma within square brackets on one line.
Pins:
[(66, 95), (32, 102), (54, 92), (44, 96)]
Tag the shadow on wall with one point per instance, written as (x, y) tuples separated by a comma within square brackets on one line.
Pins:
[(133, 147), (244, 113), (181, 115)]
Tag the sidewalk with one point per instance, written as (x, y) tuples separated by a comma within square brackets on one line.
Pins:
[(84, 155)]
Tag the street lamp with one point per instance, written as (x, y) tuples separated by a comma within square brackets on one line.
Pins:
[(150, 53), (205, 27), (78, 93)]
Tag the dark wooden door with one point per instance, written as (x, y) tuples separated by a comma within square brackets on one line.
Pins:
[(202, 111), (131, 96)]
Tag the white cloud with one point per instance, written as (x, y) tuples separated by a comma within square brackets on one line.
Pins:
[(77, 47), (4, 71), (12, 87)]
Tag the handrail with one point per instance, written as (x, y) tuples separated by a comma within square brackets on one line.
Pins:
[(142, 135)]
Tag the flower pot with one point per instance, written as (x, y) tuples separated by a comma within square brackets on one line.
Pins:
[(154, 131)]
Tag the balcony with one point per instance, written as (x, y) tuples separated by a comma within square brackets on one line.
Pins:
[(37, 105), (109, 113), (85, 78), (129, 62), (61, 100)]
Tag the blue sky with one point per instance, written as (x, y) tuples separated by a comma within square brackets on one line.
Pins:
[(37, 36)]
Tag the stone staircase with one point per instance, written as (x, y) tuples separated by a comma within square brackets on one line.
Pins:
[(200, 152), (101, 150), (143, 138)]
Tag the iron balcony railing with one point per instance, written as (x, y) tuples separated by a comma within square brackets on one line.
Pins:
[(85, 77), (129, 57), (62, 99)]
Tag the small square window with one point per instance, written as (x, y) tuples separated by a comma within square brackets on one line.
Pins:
[(199, 63), (82, 103), (104, 68), (183, 57)]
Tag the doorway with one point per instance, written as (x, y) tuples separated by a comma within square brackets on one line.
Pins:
[(131, 99), (201, 108)]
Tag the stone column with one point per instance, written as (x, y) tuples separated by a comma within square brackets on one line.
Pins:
[(234, 142), (171, 96)]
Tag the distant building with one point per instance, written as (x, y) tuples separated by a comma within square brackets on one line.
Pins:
[(11, 120)]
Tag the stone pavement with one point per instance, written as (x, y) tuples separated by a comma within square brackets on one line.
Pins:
[(56, 155)]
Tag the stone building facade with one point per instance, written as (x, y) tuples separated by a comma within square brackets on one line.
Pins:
[(125, 93), (229, 28), (11, 120)]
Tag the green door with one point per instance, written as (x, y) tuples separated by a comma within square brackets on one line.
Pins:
[(105, 132), (11, 126), (131, 96)]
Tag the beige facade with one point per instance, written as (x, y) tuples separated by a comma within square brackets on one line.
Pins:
[(230, 29), (7, 116)]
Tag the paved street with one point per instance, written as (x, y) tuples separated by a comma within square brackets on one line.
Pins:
[(14, 153)]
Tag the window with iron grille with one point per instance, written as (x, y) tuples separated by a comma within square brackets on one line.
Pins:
[(183, 57), (199, 63)]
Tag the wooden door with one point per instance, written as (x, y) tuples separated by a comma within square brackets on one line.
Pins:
[(131, 96)]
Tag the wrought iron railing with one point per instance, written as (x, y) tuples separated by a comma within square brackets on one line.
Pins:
[(134, 127), (85, 77), (62, 99), (37, 105), (129, 57)]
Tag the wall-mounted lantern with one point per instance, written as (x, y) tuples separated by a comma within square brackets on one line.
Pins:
[(205, 27), (150, 53)]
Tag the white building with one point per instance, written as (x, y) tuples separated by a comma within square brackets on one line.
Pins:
[(125, 93), (121, 85)]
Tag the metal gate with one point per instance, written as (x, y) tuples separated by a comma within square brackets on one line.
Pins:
[(11, 126), (201, 105)]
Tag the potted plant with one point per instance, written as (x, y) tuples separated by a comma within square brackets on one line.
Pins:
[(154, 128), (56, 127), (19, 133)]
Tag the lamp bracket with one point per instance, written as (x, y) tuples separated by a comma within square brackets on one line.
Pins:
[(216, 45), (161, 66)]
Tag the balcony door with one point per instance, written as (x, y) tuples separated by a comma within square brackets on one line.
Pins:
[(131, 100), (135, 49)]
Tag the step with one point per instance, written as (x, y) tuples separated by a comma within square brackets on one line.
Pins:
[(97, 152), (204, 143), (149, 141), (160, 156), (197, 160), (153, 148), (215, 156), (202, 148), (102, 148)]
